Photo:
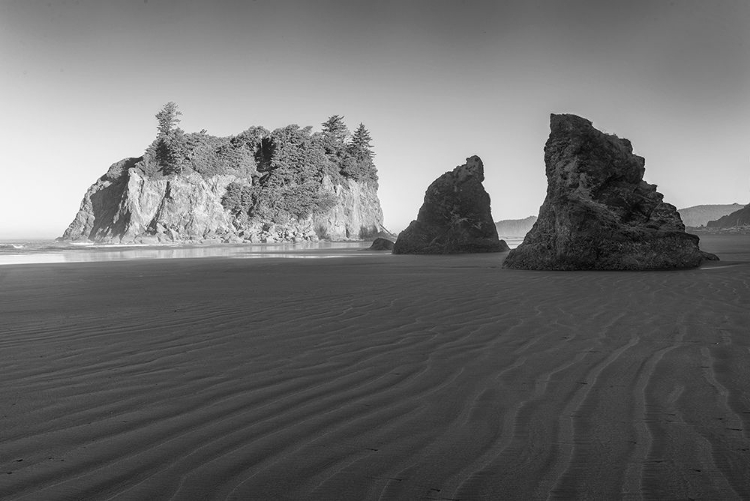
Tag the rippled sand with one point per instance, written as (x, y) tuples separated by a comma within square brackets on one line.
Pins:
[(374, 377)]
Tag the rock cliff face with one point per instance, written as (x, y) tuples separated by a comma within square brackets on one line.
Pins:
[(599, 213), (125, 206), (357, 214), (455, 216)]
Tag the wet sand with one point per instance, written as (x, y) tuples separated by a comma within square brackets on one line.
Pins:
[(374, 377)]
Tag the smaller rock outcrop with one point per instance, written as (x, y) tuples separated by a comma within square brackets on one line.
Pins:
[(455, 217), (599, 213), (381, 244)]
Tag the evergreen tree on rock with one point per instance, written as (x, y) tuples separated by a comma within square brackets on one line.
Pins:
[(360, 146), (335, 134), (170, 141), (167, 118)]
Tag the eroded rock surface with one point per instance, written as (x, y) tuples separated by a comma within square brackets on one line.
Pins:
[(455, 217), (599, 213), (125, 206)]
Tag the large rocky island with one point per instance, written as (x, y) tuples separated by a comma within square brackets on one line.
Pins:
[(288, 185), (599, 213)]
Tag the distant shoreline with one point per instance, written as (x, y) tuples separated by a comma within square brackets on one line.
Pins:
[(734, 230)]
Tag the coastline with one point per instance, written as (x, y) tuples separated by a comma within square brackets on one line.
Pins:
[(21, 251)]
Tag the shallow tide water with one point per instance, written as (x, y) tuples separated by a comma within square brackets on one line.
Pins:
[(50, 251)]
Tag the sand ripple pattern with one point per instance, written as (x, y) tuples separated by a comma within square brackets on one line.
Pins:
[(374, 378)]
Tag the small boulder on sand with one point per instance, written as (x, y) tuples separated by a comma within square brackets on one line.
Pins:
[(381, 244)]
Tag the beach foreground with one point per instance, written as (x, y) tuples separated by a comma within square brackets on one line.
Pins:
[(374, 377)]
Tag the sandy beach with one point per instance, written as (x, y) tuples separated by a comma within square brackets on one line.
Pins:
[(374, 378)]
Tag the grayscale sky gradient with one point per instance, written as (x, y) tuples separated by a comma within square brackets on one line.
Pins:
[(433, 81)]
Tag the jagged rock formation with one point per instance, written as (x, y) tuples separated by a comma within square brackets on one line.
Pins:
[(289, 185), (599, 213), (455, 216), (515, 227), (700, 215), (125, 206), (736, 219), (381, 244)]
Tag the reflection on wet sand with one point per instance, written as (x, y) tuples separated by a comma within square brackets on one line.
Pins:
[(57, 252), (127, 252)]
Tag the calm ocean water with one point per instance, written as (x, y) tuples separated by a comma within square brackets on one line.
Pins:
[(50, 251)]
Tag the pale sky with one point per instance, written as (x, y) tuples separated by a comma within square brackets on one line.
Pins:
[(434, 81)]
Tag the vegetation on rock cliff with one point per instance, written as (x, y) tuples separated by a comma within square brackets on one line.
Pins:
[(276, 203), (284, 169)]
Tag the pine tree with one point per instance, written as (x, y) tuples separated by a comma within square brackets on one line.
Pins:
[(335, 131), (167, 118), (357, 163), (170, 139), (360, 145)]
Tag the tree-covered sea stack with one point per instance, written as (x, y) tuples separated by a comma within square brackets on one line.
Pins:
[(290, 184)]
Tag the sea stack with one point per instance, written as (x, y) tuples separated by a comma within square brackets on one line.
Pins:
[(599, 213), (455, 217), (259, 186)]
